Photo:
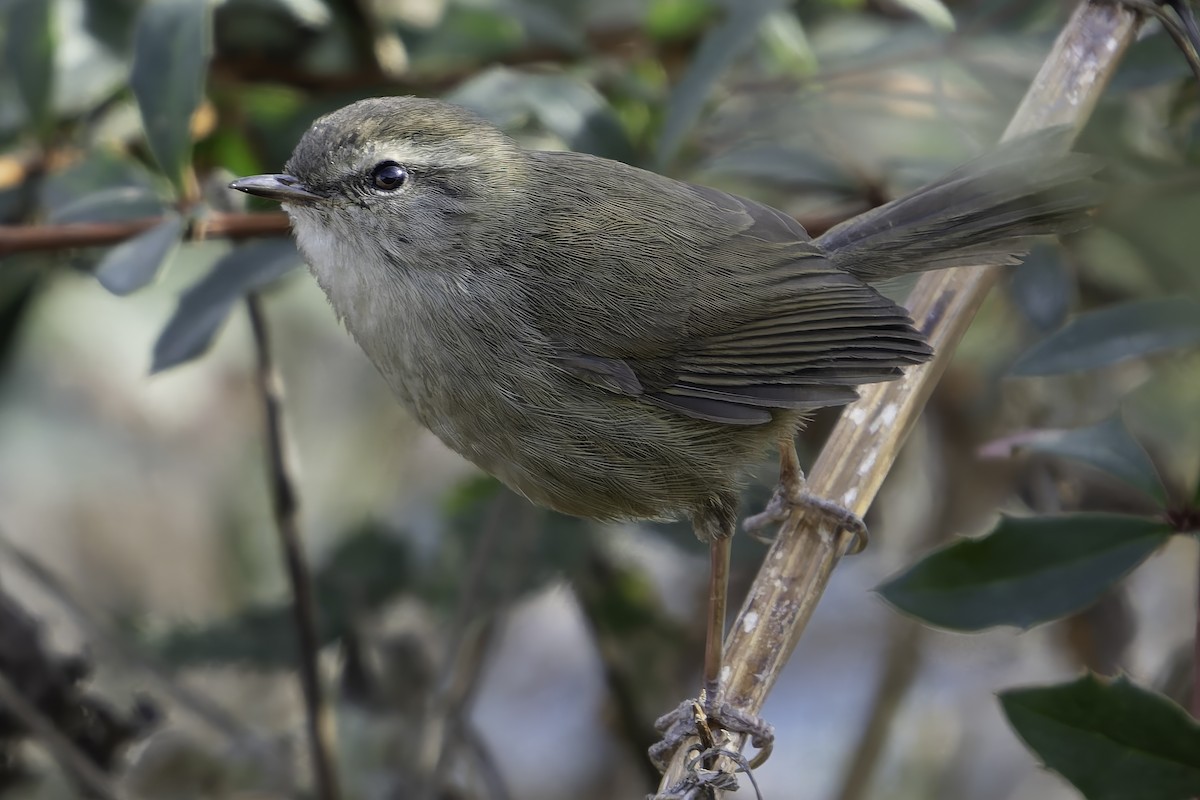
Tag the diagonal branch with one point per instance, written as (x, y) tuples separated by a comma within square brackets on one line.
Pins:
[(867, 438)]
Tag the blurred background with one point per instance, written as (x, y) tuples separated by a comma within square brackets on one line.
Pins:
[(473, 643)]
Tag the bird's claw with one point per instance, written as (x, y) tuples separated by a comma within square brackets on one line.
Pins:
[(786, 500), (698, 782), (703, 719)]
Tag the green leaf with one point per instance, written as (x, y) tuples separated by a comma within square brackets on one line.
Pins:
[(29, 44), (931, 11), (1113, 741), (1109, 447), (116, 204), (563, 104), (548, 22), (784, 166), (1110, 335), (467, 35), (1151, 61), (313, 14), (716, 52), (676, 19), (786, 44), (203, 308), (1026, 571), (1042, 287), (101, 171), (133, 263), (171, 44)]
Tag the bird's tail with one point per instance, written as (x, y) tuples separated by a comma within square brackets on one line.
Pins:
[(982, 213)]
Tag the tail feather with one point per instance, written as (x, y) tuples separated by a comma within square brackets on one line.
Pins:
[(982, 213)]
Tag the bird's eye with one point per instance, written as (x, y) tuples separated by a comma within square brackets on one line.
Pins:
[(388, 175)]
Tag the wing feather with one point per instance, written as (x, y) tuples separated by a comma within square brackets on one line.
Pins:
[(723, 311)]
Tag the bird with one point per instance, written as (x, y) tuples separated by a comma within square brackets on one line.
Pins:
[(616, 344)]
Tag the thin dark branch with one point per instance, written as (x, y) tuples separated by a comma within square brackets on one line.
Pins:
[(285, 505), (450, 729), (450, 724), (485, 764), (68, 756), (462, 659)]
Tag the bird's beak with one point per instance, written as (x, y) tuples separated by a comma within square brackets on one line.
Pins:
[(283, 188)]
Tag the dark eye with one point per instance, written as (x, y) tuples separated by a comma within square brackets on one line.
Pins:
[(388, 175)]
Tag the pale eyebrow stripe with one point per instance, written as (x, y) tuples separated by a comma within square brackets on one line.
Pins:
[(419, 157)]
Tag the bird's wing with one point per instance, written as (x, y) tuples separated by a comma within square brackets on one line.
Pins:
[(712, 305)]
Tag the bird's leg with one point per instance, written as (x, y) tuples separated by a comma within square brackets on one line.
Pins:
[(791, 494), (718, 597), (700, 718)]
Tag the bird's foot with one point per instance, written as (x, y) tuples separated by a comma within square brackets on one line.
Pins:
[(788, 497), (698, 781), (712, 723)]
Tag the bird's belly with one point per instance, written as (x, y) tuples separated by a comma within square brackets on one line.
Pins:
[(500, 402), (592, 454)]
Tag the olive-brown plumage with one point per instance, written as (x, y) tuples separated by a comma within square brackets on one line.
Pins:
[(609, 342)]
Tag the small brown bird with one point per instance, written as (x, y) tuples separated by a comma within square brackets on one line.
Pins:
[(612, 343)]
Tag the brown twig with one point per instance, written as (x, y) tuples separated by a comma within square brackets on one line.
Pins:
[(285, 505), (41, 238), (868, 436), (32, 238), (68, 756)]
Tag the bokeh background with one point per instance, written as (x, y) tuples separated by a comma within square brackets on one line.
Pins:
[(139, 556)]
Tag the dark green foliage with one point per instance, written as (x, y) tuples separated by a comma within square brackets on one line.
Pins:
[(1111, 335), (717, 50), (562, 104), (1025, 571), (203, 308), (114, 204), (132, 264), (1114, 741), (1109, 447), (1042, 287), (29, 57), (171, 45)]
